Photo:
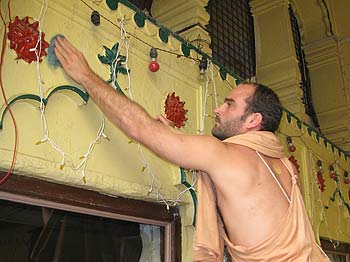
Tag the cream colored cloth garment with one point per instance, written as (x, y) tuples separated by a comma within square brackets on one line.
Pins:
[(292, 240)]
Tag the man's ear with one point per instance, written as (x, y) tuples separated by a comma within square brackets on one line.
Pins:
[(255, 120)]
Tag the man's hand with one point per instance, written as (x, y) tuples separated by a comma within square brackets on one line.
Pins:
[(73, 61)]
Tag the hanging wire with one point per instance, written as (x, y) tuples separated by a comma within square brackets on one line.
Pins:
[(155, 185), (15, 147), (45, 129)]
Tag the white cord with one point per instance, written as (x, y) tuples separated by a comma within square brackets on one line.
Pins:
[(204, 103), (211, 64), (323, 207), (45, 129), (155, 185)]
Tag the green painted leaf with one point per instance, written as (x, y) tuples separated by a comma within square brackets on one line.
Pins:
[(122, 70), (139, 19), (223, 73), (121, 59), (185, 50), (115, 48), (109, 53), (112, 4), (103, 59), (119, 88), (164, 35)]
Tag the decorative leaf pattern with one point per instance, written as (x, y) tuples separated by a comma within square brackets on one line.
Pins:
[(83, 95), (110, 59)]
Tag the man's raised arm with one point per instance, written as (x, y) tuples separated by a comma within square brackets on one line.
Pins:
[(190, 151)]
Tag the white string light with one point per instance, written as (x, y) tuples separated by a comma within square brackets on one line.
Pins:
[(323, 212), (155, 185), (45, 130), (315, 185), (211, 65), (204, 103)]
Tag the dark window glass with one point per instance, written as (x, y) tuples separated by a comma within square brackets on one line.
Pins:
[(40, 234), (232, 35), (304, 71), (144, 5)]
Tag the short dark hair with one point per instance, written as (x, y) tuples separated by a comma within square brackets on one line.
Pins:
[(266, 102)]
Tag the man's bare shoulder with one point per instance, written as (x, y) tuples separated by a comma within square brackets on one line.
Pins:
[(239, 152), (236, 162)]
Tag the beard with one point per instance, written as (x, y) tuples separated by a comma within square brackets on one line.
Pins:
[(226, 129)]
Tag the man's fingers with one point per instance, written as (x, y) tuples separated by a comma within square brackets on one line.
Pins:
[(65, 47), (68, 46), (59, 55), (59, 48)]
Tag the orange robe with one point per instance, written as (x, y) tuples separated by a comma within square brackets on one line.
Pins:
[(292, 240)]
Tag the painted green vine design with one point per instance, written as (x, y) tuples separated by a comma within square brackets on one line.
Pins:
[(110, 58)]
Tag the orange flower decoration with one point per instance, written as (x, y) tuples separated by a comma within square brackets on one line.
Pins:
[(174, 110), (23, 38)]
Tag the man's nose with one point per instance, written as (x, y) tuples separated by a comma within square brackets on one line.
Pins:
[(217, 110)]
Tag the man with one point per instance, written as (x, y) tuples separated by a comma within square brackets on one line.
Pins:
[(248, 195)]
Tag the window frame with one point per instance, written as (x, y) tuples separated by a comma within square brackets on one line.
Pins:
[(32, 191), (342, 249)]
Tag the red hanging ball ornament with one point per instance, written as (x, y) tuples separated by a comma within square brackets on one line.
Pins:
[(291, 148), (346, 180), (333, 175), (153, 66), (346, 177)]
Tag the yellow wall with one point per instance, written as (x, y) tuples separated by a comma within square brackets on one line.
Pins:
[(116, 167)]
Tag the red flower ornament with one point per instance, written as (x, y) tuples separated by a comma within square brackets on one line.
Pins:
[(294, 162), (321, 181), (174, 110), (24, 37)]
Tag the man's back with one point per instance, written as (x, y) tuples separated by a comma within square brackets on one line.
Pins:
[(264, 218), (249, 199)]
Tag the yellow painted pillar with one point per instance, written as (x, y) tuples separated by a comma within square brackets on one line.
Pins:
[(188, 18), (276, 61), (328, 55)]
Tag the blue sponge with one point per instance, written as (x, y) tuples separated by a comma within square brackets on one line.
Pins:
[(51, 56)]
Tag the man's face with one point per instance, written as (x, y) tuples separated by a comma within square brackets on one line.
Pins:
[(230, 117)]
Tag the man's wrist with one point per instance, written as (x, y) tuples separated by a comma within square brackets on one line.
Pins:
[(90, 80)]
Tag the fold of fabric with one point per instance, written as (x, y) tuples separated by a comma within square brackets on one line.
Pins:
[(293, 238), (209, 243)]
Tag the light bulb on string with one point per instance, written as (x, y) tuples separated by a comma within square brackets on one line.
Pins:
[(203, 66), (291, 147), (95, 18), (346, 177), (153, 65), (333, 174)]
